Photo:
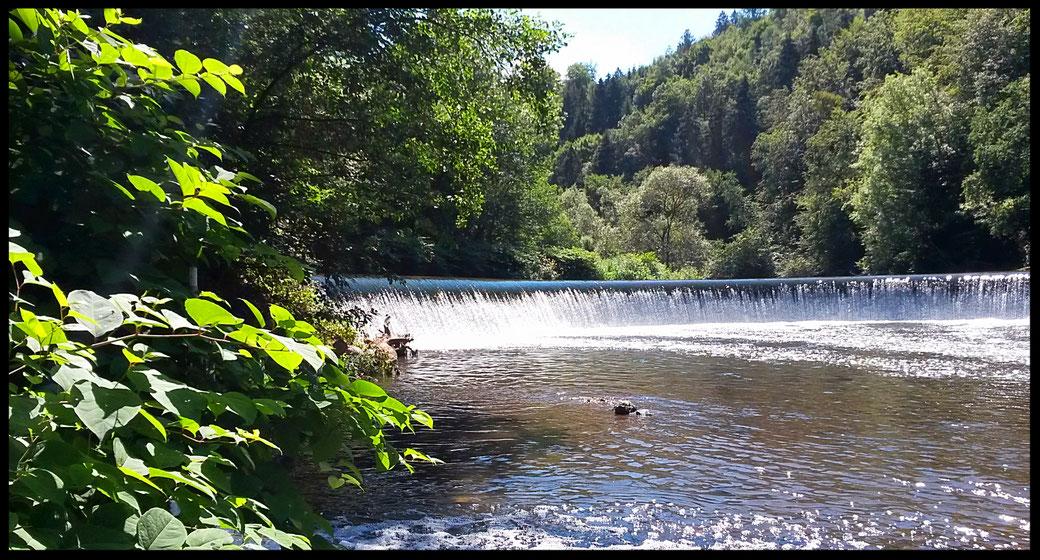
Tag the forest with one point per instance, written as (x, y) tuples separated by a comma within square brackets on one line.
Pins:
[(177, 178), (810, 143)]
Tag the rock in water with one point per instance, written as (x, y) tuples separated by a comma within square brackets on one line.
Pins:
[(624, 407)]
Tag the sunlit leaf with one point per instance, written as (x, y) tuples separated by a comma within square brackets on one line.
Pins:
[(104, 316), (158, 530), (205, 313), (187, 62)]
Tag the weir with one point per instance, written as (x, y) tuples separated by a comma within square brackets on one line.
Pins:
[(465, 307)]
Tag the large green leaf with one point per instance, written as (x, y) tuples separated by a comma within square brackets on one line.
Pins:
[(158, 530), (202, 208), (240, 405), (104, 405), (28, 16), (187, 62), (207, 313), (104, 316), (68, 375), (209, 538), (367, 388), (175, 397)]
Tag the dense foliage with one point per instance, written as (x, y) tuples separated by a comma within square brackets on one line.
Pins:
[(144, 412), (391, 140), (835, 141)]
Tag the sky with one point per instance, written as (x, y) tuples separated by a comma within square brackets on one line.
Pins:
[(624, 37)]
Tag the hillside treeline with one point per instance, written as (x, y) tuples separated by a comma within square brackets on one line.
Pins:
[(810, 142)]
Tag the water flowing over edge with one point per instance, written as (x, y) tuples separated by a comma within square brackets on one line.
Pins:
[(453, 313)]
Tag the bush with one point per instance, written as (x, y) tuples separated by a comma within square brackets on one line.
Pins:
[(574, 263), (747, 256), (154, 419)]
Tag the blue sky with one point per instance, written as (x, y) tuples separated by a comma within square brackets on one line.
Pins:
[(624, 37)]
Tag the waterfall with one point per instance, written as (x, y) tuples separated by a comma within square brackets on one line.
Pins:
[(438, 309)]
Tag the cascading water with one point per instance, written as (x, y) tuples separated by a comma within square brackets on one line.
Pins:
[(454, 313)]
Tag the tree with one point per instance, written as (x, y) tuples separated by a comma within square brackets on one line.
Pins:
[(661, 216), (577, 90), (121, 408), (721, 23), (828, 243), (380, 129), (997, 193), (911, 166)]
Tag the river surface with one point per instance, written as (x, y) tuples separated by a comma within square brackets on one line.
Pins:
[(782, 434)]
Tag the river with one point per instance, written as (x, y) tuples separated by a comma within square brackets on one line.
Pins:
[(877, 412)]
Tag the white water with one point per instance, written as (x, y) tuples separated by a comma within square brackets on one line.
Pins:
[(974, 321)]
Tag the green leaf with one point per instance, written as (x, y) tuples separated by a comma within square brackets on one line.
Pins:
[(367, 388), (280, 314), (131, 357), (190, 84), (174, 396), (158, 530), (285, 358), (267, 206), (215, 66), (104, 405), (163, 69), (104, 316), (209, 538), (40, 485), (134, 56), (28, 16), (270, 407), (59, 296), (215, 82), (80, 25), (204, 488), (211, 150), (285, 540), (206, 313), (177, 321), (202, 208), (13, 31), (110, 16), (108, 54), (16, 253), (67, 376), (125, 461), (187, 62), (154, 422), (234, 82), (240, 405), (147, 185), (256, 312), (327, 445)]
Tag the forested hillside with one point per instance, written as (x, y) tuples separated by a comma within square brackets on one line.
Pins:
[(810, 142), (804, 142)]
